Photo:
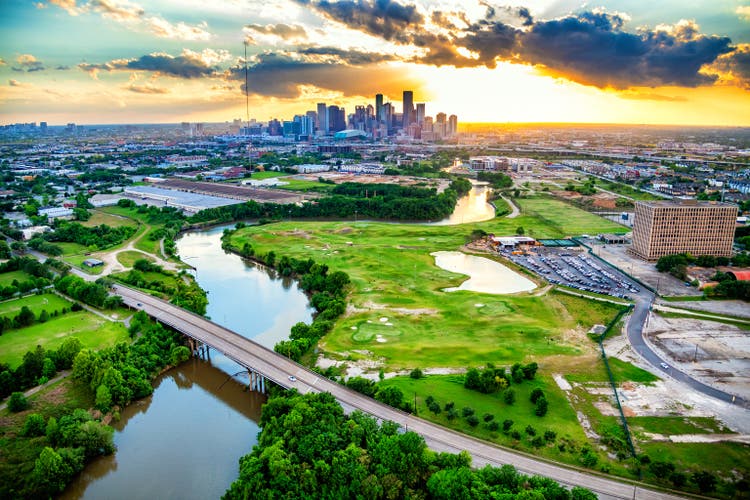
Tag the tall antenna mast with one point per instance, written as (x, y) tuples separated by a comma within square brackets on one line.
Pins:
[(247, 104)]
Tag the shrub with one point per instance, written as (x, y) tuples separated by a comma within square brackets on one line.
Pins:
[(493, 426), (488, 417), (515, 435), (507, 424), (472, 420), (416, 373), (537, 442), (17, 402), (34, 425), (550, 436), (467, 411), (530, 430), (509, 396)]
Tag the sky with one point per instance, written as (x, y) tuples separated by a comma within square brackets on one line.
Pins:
[(167, 61)]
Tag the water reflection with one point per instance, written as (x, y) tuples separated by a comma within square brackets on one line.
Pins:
[(473, 207), (184, 441)]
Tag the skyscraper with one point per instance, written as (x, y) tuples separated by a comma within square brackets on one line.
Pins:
[(420, 113), (379, 108), (408, 115), (322, 118), (452, 125)]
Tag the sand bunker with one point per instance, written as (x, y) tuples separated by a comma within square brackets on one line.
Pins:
[(485, 275)]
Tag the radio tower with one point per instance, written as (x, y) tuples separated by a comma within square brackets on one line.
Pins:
[(247, 106)]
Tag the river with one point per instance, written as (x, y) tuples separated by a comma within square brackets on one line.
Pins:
[(184, 441)]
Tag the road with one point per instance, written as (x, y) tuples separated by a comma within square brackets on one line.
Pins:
[(634, 328), (278, 369)]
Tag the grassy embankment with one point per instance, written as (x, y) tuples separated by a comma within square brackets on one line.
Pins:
[(93, 331)]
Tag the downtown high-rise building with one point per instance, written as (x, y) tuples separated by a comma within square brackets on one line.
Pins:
[(379, 108), (408, 113), (419, 119), (322, 117)]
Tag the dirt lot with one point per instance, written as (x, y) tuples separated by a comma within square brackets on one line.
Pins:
[(715, 353), (644, 271), (668, 397)]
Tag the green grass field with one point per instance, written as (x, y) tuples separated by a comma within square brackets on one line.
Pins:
[(128, 257), (626, 190), (303, 185), (6, 279), (677, 425), (444, 388), (36, 303), (390, 266), (101, 217), (93, 331), (622, 371), (268, 174), (565, 219)]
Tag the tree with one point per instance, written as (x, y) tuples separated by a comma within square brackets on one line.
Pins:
[(50, 473), (17, 402), (507, 424), (536, 394), (391, 396), (509, 396), (541, 407), (467, 411), (488, 417), (416, 373), (472, 420), (530, 430), (103, 398), (519, 229), (34, 425), (705, 481)]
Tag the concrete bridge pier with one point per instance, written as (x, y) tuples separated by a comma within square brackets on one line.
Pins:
[(257, 381)]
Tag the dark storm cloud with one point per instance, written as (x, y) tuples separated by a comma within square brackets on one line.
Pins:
[(278, 75), (591, 48), (383, 18), (352, 57), (183, 66), (283, 31), (737, 64)]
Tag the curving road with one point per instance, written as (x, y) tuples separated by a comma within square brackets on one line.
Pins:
[(278, 369), (643, 302)]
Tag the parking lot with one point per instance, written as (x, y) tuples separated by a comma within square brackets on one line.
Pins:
[(577, 270)]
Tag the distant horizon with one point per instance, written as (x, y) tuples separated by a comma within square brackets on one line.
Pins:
[(531, 61), (460, 124)]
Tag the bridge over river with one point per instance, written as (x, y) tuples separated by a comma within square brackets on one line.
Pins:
[(271, 366)]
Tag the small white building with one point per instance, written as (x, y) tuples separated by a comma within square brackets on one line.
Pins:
[(56, 212)]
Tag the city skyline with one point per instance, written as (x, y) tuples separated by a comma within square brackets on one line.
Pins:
[(118, 61)]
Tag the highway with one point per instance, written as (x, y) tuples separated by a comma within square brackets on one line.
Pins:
[(278, 369)]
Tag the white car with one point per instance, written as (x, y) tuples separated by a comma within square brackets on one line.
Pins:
[(292, 378), (665, 366)]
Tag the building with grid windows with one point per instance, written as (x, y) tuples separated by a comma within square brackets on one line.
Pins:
[(689, 226)]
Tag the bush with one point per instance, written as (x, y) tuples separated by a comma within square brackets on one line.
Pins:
[(515, 435), (467, 412), (472, 420), (530, 430), (537, 442), (488, 417), (536, 394), (17, 402), (493, 426), (507, 424), (34, 425), (550, 436), (416, 373), (705, 481)]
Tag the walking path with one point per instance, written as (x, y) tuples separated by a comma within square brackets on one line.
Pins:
[(514, 211), (38, 388)]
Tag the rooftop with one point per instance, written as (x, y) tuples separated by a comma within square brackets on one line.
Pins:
[(684, 203)]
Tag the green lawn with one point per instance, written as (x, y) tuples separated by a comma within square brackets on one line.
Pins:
[(36, 303), (128, 257), (303, 185), (560, 418), (71, 248), (623, 372), (626, 190), (77, 260), (99, 217), (147, 245), (93, 331), (564, 219), (6, 279), (268, 174)]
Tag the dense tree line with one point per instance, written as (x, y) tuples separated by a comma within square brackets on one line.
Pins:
[(729, 288), (40, 276), (327, 293), (38, 366), (420, 204), (308, 448), (26, 317), (184, 294), (121, 373), (93, 294), (497, 180), (39, 244), (676, 264), (99, 237)]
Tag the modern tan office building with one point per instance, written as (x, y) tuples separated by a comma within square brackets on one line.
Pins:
[(687, 226)]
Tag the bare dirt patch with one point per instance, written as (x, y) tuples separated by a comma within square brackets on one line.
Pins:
[(297, 233)]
